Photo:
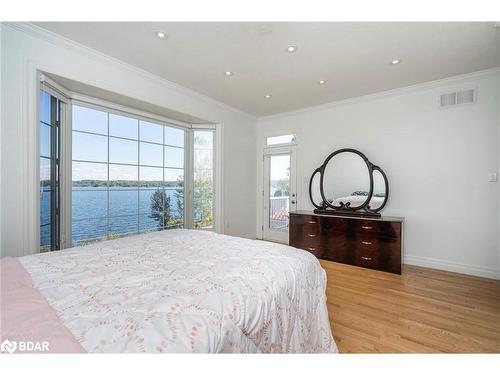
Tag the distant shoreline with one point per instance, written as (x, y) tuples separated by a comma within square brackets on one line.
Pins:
[(121, 183)]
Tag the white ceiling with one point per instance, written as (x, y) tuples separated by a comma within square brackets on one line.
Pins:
[(354, 58)]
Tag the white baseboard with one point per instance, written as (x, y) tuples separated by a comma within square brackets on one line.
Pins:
[(488, 272)]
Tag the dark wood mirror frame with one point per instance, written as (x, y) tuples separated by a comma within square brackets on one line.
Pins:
[(326, 207)]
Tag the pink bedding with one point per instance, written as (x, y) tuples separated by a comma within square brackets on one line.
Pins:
[(26, 316)]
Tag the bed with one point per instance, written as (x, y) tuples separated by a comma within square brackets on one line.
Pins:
[(172, 291)]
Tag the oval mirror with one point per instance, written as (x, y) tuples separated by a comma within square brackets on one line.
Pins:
[(380, 190), (346, 180), (314, 189)]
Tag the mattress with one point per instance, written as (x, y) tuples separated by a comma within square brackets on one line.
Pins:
[(176, 291)]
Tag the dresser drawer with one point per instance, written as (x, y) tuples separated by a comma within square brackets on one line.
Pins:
[(304, 222), (376, 228), (304, 229), (315, 249), (377, 253)]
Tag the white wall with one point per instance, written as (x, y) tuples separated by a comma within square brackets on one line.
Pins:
[(436, 160), (24, 49)]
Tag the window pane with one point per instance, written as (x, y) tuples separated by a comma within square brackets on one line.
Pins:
[(48, 219), (89, 175), (125, 225), (151, 201), (203, 139), (174, 136), (123, 202), (203, 174), (174, 157), (89, 203), (45, 206), (174, 177), (90, 147), (203, 159), (45, 202), (203, 187), (89, 120), (123, 176), (121, 126), (87, 231), (45, 172), (147, 223), (177, 205), (151, 177), (123, 151), (134, 188), (279, 186), (45, 237), (280, 139), (151, 154), (45, 107), (45, 140), (203, 204), (151, 132)]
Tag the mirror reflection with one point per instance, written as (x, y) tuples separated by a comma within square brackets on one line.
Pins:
[(379, 192), (346, 180)]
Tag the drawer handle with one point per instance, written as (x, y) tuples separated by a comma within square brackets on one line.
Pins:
[(311, 235), (366, 227), (366, 242), (366, 258), (312, 222), (311, 248)]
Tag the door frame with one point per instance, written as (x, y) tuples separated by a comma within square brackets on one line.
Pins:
[(269, 235)]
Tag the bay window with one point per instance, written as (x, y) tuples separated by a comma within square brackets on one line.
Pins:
[(129, 174)]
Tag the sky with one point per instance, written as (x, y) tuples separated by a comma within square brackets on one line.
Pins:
[(124, 150), (156, 148)]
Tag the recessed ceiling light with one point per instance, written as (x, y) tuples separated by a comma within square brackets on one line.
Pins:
[(321, 81), (161, 34), (291, 49), (228, 73), (395, 61), (268, 96)]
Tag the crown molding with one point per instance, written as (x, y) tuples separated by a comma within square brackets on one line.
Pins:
[(61, 41), (389, 93)]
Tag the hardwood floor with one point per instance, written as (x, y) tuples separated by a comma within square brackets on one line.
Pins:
[(421, 311)]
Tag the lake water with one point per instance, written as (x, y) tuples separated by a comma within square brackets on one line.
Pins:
[(129, 212)]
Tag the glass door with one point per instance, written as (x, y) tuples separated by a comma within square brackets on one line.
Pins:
[(49, 122), (279, 192)]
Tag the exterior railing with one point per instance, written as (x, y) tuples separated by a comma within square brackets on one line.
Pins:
[(279, 208)]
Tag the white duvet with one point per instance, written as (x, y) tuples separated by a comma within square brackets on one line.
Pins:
[(187, 291)]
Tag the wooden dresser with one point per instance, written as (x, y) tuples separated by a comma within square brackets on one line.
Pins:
[(361, 241)]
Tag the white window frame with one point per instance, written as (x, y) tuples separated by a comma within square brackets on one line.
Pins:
[(32, 233)]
